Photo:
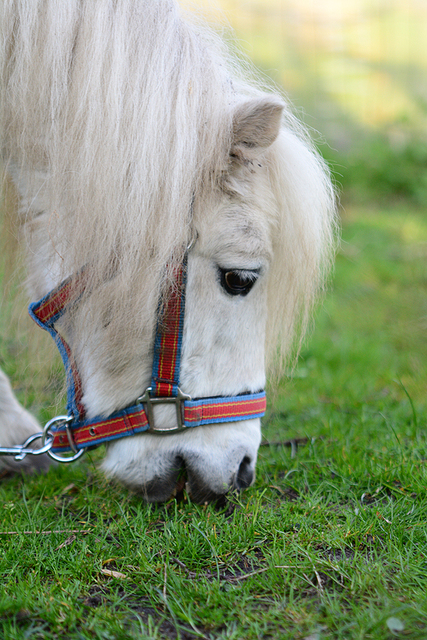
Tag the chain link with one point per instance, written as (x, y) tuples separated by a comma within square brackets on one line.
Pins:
[(20, 451)]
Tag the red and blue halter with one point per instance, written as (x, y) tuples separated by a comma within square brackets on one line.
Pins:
[(77, 432)]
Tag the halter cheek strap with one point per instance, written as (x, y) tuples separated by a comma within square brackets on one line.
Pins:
[(76, 432)]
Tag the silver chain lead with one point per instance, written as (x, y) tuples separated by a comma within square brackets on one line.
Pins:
[(20, 451)]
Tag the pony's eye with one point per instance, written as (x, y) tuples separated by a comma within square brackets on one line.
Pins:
[(238, 282)]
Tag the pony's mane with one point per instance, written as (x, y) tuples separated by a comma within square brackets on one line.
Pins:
[(304, 244), (125, 111)]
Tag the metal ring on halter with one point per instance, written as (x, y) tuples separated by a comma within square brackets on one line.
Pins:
[(192, 242), (47, 433)]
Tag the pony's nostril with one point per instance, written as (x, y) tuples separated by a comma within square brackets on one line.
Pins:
[(245, 474)]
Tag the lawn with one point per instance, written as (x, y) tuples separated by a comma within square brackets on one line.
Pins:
[(331, 540)]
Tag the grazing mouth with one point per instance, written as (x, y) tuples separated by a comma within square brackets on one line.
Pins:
[(188, 487), (182, 491), (182, 486), (187, 482)]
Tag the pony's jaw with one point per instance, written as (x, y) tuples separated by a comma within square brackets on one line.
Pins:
[(210, 461)]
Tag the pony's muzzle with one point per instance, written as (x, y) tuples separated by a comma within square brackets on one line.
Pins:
[(201, 492)]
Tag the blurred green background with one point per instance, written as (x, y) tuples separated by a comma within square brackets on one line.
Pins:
[(356, 70)]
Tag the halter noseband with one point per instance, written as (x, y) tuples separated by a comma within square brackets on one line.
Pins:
[(74, 432)]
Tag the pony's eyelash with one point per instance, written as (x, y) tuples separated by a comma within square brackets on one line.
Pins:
[(238, 282)]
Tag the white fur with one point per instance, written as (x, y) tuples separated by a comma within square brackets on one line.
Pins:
[(128, 131), (16, 425)]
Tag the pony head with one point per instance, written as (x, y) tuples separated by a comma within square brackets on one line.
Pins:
[(135, 137)]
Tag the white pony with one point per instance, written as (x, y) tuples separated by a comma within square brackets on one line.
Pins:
[(129, 134)]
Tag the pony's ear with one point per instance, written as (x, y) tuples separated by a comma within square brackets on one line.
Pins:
[(256, 125)]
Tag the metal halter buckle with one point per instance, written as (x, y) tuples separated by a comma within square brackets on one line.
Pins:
[(148, 401)]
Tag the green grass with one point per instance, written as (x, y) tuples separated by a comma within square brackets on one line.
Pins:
[(330, 542)]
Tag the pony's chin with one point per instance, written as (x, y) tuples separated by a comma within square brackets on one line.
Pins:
[(161, 489)]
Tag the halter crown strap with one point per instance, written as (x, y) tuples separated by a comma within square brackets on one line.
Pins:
[(164, 381)]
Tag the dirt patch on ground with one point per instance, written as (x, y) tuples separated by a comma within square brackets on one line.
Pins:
[(141, 609), (239, 570)]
